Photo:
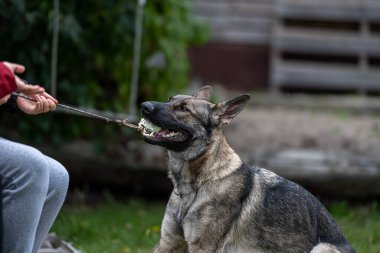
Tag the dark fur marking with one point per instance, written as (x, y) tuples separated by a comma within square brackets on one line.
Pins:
[(281, 199), (206, 125), (236, 211)]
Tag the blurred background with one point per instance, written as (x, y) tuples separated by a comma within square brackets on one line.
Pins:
[(312, 68)]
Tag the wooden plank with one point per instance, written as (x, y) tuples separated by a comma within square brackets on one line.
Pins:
[(240, 37), (372, 45), (234, 1), (326, 42), (237, 21), (372, 10), (240, 24), (246, 30), (312, 75), (338, 10), (235, 9)]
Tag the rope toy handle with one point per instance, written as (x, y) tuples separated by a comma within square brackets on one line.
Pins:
[(120, 122)]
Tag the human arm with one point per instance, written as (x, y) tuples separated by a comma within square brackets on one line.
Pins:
[(9, 82), (13, 82)]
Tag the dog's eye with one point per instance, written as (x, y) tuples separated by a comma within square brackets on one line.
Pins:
[(182, 108)]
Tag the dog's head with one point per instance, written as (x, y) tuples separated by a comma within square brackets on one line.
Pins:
[(186, 121)]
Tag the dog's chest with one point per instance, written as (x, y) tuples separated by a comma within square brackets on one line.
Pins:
[(184, 203)]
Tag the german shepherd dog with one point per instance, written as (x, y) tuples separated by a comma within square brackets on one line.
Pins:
[(220, 204)]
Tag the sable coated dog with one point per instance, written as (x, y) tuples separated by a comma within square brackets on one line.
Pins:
[(219, 204)]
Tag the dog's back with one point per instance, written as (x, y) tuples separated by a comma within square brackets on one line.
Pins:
[(281, 216)]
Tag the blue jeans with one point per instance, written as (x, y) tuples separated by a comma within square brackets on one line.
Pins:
[(34, 188)]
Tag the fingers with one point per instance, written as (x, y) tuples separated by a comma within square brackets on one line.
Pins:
[(24, 87), (27, 88), (4, 99), (49, 97), (15, 68), (44, 104), (38, 108), (52, 104), (18, 68), (41, 105), (21, 85), (34, 89)]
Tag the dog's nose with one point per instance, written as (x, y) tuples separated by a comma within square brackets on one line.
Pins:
[(147, 107)]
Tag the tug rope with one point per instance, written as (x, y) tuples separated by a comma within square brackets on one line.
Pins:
[(120, 122)]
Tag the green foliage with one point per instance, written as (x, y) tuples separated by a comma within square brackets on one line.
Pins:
[(96, 49)]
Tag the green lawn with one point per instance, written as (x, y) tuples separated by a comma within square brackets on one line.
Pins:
[(360, 225), (133, 227), (114, 227)]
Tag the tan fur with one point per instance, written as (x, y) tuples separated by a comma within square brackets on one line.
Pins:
[(210, 166)]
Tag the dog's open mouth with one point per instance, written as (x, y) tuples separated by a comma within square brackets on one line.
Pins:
[(152, 131)]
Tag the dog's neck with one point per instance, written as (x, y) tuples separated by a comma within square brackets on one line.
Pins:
[(216, 160)]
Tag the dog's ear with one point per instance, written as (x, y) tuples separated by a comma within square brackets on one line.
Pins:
[(224, 112), (204, 93)]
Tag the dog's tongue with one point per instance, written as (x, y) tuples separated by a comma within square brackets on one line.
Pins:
[(163, 132)]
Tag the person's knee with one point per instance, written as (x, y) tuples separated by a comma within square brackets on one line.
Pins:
[(32, 171), (64, 177), (59, 177)]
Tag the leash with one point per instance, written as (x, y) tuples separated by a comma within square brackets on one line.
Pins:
[(120, 122)]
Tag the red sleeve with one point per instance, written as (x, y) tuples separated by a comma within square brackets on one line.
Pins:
[(7, 81)]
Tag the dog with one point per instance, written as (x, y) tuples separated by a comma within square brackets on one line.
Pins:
[(220, 204)]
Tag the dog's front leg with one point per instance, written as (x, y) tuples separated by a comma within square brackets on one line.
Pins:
[(167, 245), (207, 225), (194, 248), (171, 240)]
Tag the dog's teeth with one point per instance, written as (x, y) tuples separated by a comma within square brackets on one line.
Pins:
[(151, 130), (171, 134)]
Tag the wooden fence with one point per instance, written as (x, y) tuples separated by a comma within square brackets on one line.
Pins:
[(237, 21), (326, 44), (313, 44)]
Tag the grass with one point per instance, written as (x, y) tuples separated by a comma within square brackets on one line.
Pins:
[(113, 227), (360, 225), (133, 226)]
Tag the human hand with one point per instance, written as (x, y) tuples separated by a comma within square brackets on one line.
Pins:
[(21, 85), (45, 103), (4, 99)]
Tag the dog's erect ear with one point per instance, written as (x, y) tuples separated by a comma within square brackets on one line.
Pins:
[(204, 93), (224, 112)]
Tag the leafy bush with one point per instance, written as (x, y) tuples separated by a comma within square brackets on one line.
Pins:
[(95, 52)]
